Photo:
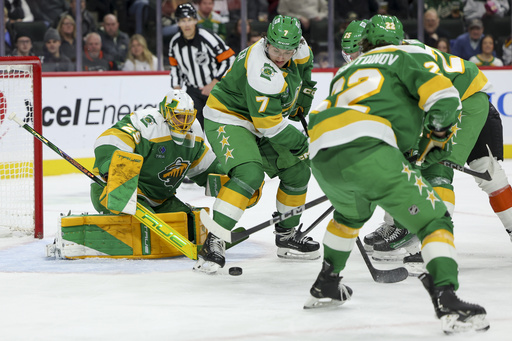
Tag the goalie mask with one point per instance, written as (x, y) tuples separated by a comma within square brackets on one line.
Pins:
[(177, 108)]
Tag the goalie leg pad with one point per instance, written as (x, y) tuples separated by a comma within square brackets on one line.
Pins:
[(120, 194)]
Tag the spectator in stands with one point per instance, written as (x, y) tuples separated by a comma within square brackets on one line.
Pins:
[(23, 10), (478, 9), (254, 37), (101, 7), (507, 51), (363, 9), (309, 10), (52, 10), (487, 56), (399, 8), (233, 39), (209, 19), (67, 31), (169, 23), (114, 42), (257, 10), (443, 44), (89, 24), (431, 30), (23, 45), (94, 59), (53, 60), (468, 44), (446, 9), (9, 34), (221, 7), (139, 57)]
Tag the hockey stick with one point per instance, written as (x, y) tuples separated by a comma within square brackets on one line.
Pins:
[(233, 237), (142, 214), (301, 234), (382, 276), (485, 175)]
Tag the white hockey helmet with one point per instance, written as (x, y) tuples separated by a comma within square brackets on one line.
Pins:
[(178, 110)]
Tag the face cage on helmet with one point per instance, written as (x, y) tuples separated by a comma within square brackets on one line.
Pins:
[(180, 121)]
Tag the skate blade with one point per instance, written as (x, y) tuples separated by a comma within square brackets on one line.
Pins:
[(390, 256), (477, 323), (415, 269), (315, 303), (294, 254), (207, 267), (368, 248)]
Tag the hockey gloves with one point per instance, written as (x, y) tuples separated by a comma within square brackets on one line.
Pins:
[(434, 146), (303, 105)]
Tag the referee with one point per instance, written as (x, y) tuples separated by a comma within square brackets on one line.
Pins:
[(198, 58)]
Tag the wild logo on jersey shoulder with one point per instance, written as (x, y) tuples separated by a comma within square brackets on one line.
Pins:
[(174, 172), (267, 71), (147, 120)]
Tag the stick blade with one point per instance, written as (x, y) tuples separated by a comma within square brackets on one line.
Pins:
[(390, 276), (215, 228)]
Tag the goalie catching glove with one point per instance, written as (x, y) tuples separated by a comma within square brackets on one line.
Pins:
[(303, 105)]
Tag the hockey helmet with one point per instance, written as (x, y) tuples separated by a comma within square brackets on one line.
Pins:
[(384, 29), (353, 34), (284, 33), (185, 11), (178, 111)]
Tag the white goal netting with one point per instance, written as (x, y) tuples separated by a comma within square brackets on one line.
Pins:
[(17, 200)]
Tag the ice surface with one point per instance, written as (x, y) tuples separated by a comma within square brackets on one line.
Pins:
[(98, 299)]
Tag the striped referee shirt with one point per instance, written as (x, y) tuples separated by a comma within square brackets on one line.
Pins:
[(198, 61)]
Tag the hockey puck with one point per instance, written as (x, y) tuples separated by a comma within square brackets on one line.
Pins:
[(235, 271)]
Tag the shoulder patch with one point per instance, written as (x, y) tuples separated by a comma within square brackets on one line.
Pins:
[(263, 75)]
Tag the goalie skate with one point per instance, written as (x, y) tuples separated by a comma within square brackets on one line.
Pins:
[(327, 291), (456, 315), (211, 257), (290, 247)]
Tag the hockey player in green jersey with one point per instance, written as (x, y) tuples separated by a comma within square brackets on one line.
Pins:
[(478, 128), (170, 151), (247, 127), (379, 105)]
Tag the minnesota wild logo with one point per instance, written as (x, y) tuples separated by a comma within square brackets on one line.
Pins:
[(267, 71), (174, 172)]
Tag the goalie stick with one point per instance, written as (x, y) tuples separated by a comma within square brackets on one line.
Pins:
[(142, 214), (233, 237)]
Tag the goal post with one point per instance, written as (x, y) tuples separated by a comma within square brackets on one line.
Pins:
[(21, 160)]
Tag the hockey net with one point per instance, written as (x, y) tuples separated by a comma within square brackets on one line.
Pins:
[(21, 189)]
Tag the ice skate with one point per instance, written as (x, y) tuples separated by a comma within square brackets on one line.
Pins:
[(509, 233), (327, 291), (290, 247), (456, 315), (414, 264), (383, 231), (396, 246), (211, 257)]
